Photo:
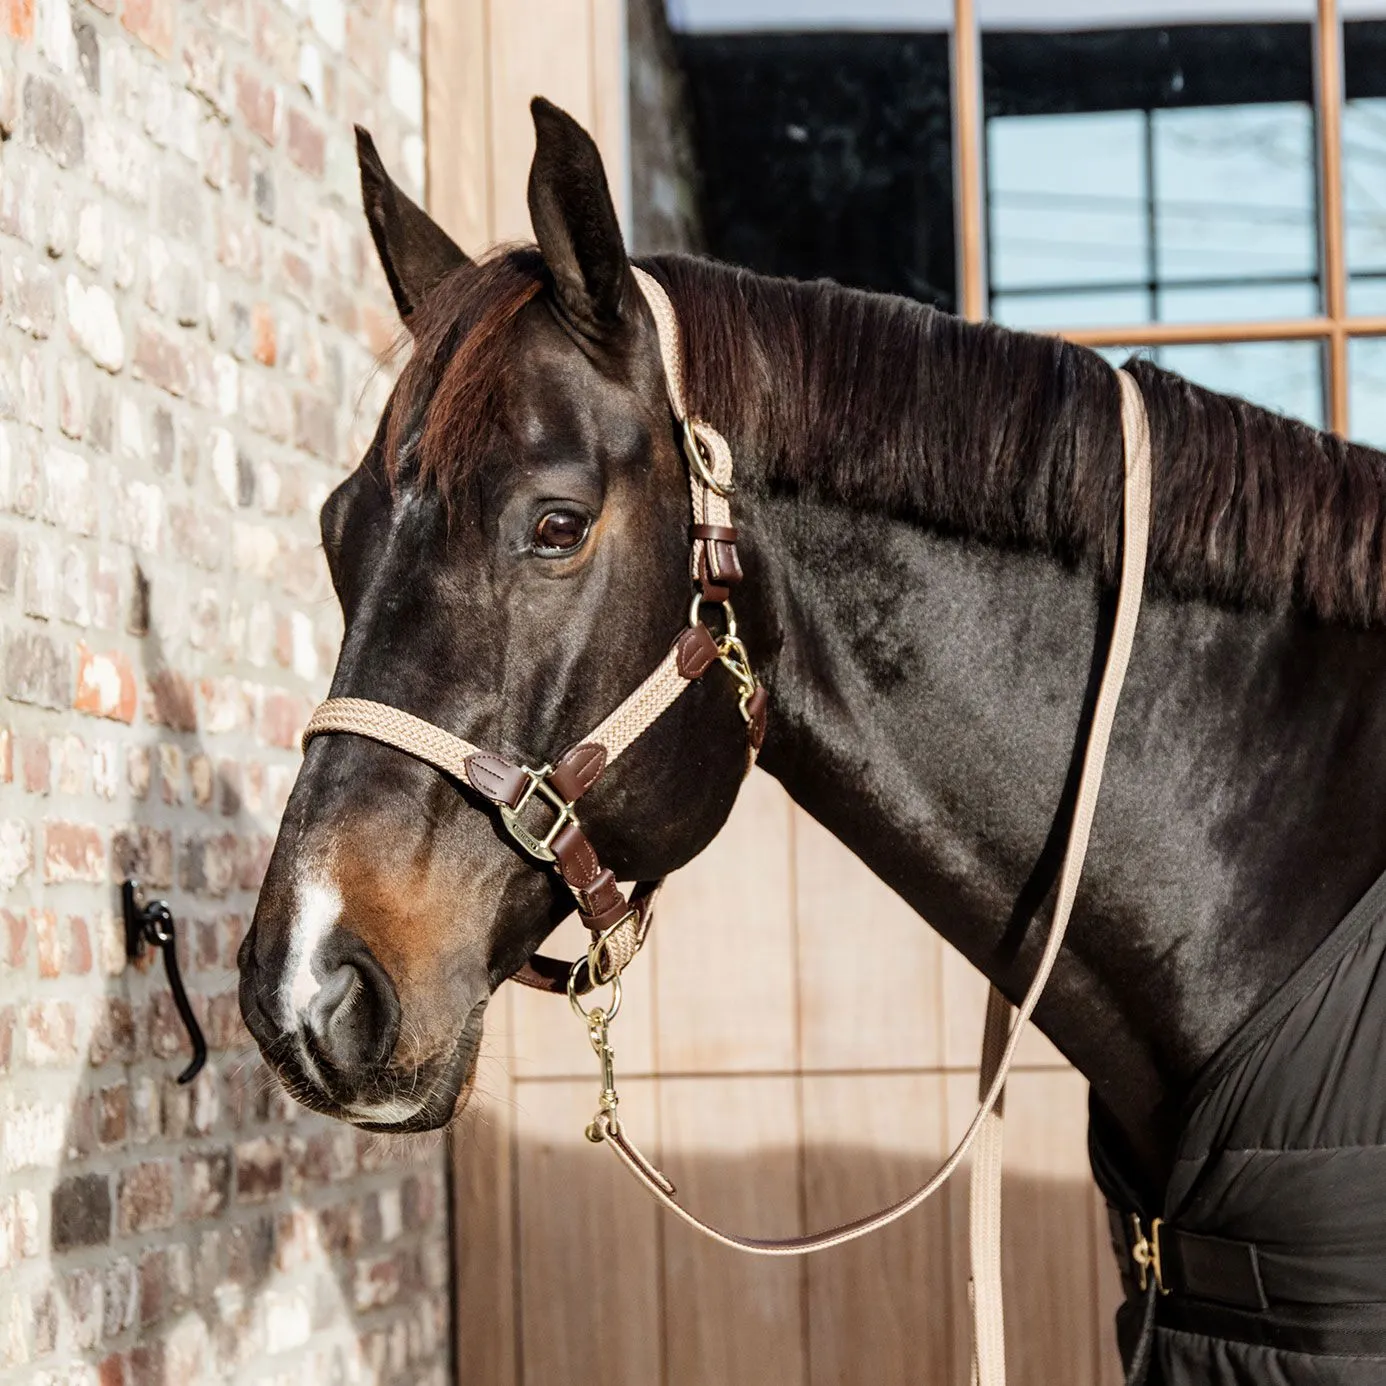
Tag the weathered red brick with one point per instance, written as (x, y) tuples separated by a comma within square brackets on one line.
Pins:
[(112, 1105), (35, 765), (265, 345), (206, 1182), (144, 852), (145, 1198), (50, 1033), (105, 684), (162, 360), (152, 21), (73, 852), (258, 103), (77, 953), (114, 1036), (9, 1023), (315, 425), (171, 701), (259, 1169), (81, 1211), (19, 19), (282, 719), (154, 1286), (307, 144), (48, 947), (14, 931), (38, 670)]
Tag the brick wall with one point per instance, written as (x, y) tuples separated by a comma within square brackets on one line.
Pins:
[(190, 316)]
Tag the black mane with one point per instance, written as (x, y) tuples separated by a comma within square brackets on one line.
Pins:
[(1014, 438)]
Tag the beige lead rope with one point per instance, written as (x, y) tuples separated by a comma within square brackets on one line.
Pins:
[(984, 1132)]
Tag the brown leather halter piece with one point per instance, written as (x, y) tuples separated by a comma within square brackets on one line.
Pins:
[(619, 924)]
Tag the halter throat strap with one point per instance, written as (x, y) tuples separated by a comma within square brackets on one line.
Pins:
[(618, 924)]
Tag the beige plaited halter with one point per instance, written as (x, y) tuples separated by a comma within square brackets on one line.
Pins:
[(620, 925)]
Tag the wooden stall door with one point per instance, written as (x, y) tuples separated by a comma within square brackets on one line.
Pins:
[(798, 1086)]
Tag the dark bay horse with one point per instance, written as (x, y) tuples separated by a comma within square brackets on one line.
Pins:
[(930, 521)]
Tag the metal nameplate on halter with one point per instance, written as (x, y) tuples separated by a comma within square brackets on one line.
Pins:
[(541, 848)]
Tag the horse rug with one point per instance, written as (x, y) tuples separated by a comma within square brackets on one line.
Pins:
[(1273, 1242)]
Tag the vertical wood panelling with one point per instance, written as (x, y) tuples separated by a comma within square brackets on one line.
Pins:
[(861, 1007), (483, 1208), (879, 1309), (457, 111), (588, 1251), (1109, 1295), (1048, 1270), (726, 946), (538, 48), (610, 105), (732, 1319)]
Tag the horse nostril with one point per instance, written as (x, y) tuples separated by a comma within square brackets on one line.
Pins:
[(354, 1017)]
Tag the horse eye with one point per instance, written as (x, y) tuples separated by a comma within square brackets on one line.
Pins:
[(560, 531)]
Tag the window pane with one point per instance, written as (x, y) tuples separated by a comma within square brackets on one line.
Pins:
[(1367, 390), (1171, 164), (825, 153), (1364, 159), (1100, 308), (1048, 225), (1284, 376)]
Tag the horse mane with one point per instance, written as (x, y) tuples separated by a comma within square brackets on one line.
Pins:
[(1014, 438), (968, 428)]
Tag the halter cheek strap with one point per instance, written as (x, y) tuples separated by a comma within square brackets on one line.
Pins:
[(618, 924)]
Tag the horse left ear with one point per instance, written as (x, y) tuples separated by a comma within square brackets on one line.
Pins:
[(575, 220), (415, 252)]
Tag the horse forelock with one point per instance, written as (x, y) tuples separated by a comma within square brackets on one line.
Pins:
[(452, 389)]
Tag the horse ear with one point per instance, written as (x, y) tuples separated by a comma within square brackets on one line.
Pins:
[(575, 221), (415, 252)]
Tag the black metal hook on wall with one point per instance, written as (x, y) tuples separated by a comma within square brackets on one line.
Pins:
[(150, 924)]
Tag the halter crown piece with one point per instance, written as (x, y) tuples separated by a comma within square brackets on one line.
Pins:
[(618, 924)]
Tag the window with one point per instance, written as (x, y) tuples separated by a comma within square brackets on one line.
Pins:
[(1130, 173)]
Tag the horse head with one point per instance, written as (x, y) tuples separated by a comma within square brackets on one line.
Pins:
[(511, 559)]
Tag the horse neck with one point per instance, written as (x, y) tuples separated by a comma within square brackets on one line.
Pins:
[(929, 700)]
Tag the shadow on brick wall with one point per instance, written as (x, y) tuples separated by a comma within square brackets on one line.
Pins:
[(219, 1232)]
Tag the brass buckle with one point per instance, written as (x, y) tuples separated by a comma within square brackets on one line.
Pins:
[(541, 848), (693, 451), (1145, 1252)]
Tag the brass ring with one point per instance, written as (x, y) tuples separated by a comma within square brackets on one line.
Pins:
[(575, 1000), (695, 613), (693, 450)]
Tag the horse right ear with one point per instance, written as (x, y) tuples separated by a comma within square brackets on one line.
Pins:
[(415, 252)]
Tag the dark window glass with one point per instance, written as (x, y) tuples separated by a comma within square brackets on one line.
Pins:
[(827, 154)]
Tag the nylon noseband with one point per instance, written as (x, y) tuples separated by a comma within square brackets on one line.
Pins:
[(618, 924)]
